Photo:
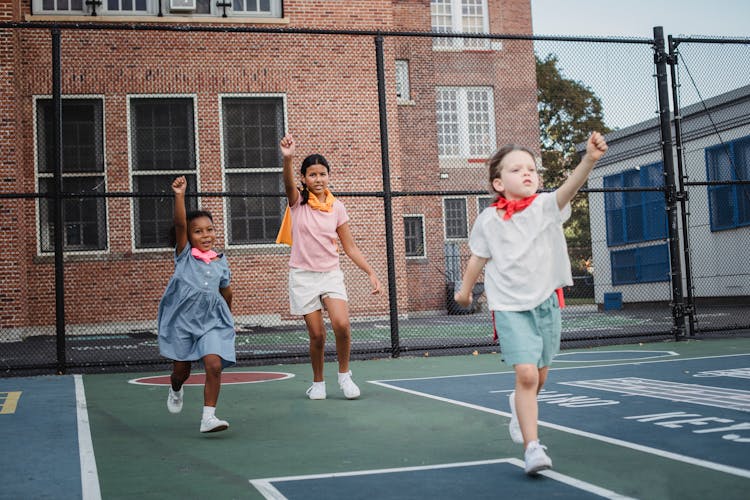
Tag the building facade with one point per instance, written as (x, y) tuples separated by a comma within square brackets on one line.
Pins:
[(142, 106), (629, 229)]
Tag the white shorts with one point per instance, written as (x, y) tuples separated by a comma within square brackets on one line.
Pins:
[(307, 289)]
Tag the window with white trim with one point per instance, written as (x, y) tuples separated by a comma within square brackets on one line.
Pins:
[(729, 204), (163, 148), (245, 8), (84, 218), (459, 16), (403, 93), (414, 235), (456, 221), (465, 121), (252, 163)]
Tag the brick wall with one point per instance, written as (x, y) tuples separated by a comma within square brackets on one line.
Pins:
[(332, 108)]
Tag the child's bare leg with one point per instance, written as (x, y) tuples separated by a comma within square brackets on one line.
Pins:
[(180, 373), (316, 329), (527, 386), (212, 363), (338, 311)]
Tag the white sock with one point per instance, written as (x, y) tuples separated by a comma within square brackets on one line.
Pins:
[(208, 411), (532, 444), (342, 375)]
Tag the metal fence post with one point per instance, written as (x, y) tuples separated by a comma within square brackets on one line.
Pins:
[(670, 191), (387, 198), (58, 190), (682, 195)]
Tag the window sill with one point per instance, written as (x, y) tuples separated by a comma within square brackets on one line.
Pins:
[(166, 19), (405, 102)]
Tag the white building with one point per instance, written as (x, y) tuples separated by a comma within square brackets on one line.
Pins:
[(629, 229)]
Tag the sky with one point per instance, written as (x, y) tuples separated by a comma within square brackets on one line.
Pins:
[(636, 18), (622, 75)]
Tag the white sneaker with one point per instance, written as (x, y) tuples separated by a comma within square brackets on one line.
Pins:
[(514, 428), (174, 400), (317, 390), (213, 424), (536, 459), (351, 391)]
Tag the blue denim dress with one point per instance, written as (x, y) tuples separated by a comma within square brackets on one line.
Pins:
[(194, 319)]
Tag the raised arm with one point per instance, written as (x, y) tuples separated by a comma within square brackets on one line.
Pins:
[(352, 250), (596, 146), (288, 148), (179, 186)]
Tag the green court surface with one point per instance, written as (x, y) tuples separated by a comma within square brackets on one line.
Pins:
[(404, 443)]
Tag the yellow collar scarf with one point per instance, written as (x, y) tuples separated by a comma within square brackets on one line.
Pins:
[(285, 231)]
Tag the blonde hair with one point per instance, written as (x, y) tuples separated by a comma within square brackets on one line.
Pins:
[(497, 158)]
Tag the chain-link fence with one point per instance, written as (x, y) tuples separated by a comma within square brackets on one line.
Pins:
[(407, 121)]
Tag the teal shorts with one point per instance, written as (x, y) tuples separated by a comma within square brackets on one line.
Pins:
[(530, 337)]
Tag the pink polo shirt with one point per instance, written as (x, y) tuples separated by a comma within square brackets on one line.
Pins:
[(314, 236)]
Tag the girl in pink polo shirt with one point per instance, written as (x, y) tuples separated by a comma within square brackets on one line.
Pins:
[(314, 221)]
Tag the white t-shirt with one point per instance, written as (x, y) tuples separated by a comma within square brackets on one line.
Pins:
[(528, 254)]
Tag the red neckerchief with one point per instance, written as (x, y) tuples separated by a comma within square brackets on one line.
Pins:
[(512, 206), (206, 257)]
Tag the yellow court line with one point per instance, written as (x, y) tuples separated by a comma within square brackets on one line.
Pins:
[(11, 402)]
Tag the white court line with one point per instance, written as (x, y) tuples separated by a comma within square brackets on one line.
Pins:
[(270, 492), (606, 439), (566, 368), (559, 357), (89, 476)]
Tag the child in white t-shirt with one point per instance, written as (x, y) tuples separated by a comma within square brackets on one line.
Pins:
[(520, 240)]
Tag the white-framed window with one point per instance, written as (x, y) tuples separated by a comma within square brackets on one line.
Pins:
[(465, 121), (459, 16), (85, 218), (257, 8), (251, 128), (455, 218), (403, 92), (245, 8), (414, 236), (111, 7), (162, 147)]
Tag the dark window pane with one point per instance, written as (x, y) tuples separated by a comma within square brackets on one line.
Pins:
[(163, 134), (255, 220), (84, 218), (252, 130), (455, 218), (413, 236)]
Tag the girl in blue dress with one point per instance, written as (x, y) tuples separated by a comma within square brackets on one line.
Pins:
[(195, 322)]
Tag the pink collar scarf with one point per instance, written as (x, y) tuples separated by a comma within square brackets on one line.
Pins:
[(206, 257)]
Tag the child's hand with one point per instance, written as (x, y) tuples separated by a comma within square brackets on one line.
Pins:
[(375, 282), (596, 146), (462, 299), (179, 185), (288, 146)]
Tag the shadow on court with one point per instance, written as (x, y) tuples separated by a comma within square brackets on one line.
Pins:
[(667, 420)]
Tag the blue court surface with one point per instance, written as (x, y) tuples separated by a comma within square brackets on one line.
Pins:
[(46, 439), (695, 410), (621, 423)]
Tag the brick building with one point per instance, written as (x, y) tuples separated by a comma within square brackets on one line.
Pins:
[(141, 106)]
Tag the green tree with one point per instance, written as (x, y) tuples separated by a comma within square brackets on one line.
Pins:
[(568, 112)]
